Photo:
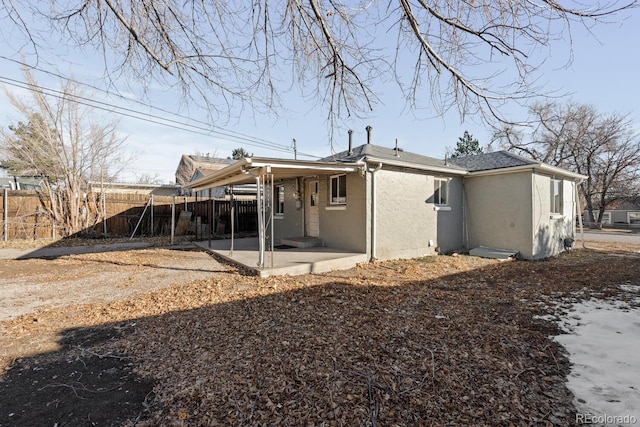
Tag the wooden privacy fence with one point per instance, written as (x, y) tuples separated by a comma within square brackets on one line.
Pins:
[(23, 217)]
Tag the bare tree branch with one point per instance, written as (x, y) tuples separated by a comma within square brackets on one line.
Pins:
[(232, 55)]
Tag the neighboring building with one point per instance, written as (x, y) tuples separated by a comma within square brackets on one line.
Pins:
[(199, 167), (20, 183), (129, 188), (191, 164), (391, 204), (621, 211)]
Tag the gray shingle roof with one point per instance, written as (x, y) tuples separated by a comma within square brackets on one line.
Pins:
[(390, 154), (490, 161)]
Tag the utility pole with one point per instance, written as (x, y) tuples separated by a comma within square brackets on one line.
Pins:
[(295, 150)]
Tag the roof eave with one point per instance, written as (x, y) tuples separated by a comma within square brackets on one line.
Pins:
[(243, 170), (536, 166), (417, 166)]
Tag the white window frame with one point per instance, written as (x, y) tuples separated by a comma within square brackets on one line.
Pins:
[(278, 200), (555, 202), (437, 191), (605, 218), (339, 199), (629, 217)]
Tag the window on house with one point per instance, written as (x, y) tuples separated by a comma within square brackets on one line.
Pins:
[(338, 194), (556, 196), (441, 191), (279, 200), (633, 217)]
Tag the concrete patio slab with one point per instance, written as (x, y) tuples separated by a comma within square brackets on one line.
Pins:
[(291, 261), (494, 253)]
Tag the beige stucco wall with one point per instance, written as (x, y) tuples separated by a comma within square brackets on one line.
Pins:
[(405, 220), (291, 223), (498, 212), (344, 226), (549, 231)]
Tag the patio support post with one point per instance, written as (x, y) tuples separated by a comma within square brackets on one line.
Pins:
[(261, 237), (210, 215), (233, 220), (271, 229)]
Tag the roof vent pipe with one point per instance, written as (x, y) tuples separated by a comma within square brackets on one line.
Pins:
[(368, 128), (350, 131)]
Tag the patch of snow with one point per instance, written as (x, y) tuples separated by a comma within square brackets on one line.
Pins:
[(604, 347)]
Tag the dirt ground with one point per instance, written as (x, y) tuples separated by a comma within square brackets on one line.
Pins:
[(34, 284), (173, 337)]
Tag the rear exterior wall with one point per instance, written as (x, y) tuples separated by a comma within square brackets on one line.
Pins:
[(406, 222), (498, 212)]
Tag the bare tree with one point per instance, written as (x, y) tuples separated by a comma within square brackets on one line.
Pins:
[(449, 53), (64, 145), (605, 148)]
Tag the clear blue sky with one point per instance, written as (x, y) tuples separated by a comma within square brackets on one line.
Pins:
[(603, 73)]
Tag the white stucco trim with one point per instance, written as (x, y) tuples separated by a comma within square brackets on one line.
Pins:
[(336, 208), (442, 208)]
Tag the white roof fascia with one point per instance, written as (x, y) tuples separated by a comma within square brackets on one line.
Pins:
[(418, 166), (240, 170), (535, 167)]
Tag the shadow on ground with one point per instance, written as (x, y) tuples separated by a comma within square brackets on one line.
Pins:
[(74, 386)]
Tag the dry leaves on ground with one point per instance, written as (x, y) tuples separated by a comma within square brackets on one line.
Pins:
[(434, 341)]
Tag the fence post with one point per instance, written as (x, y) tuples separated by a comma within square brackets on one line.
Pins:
[(5, 215), (173, 217), (104, 214), (151, 215)]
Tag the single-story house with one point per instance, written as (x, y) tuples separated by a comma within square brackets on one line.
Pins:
[(622, 211), (391, 204)]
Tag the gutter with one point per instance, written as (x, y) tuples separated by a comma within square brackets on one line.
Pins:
[(404, 164), (532, 167)]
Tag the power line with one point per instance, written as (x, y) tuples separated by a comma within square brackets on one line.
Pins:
[(233, 136)]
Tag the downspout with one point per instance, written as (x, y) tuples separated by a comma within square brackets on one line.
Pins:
[(578, 213), (465, 225), (373, 211)]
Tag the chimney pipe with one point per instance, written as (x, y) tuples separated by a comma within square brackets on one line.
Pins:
[(350, 131), (368, 128)]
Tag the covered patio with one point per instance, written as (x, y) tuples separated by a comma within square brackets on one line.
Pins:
[(283, 259), (297, 250)]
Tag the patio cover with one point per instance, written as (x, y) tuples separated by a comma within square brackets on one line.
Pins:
[(246, 171), (263, 172)]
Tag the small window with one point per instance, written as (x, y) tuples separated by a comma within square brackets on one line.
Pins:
[(556, 196), (633, 217), (279, 200), (441, 191), (338, 194)]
